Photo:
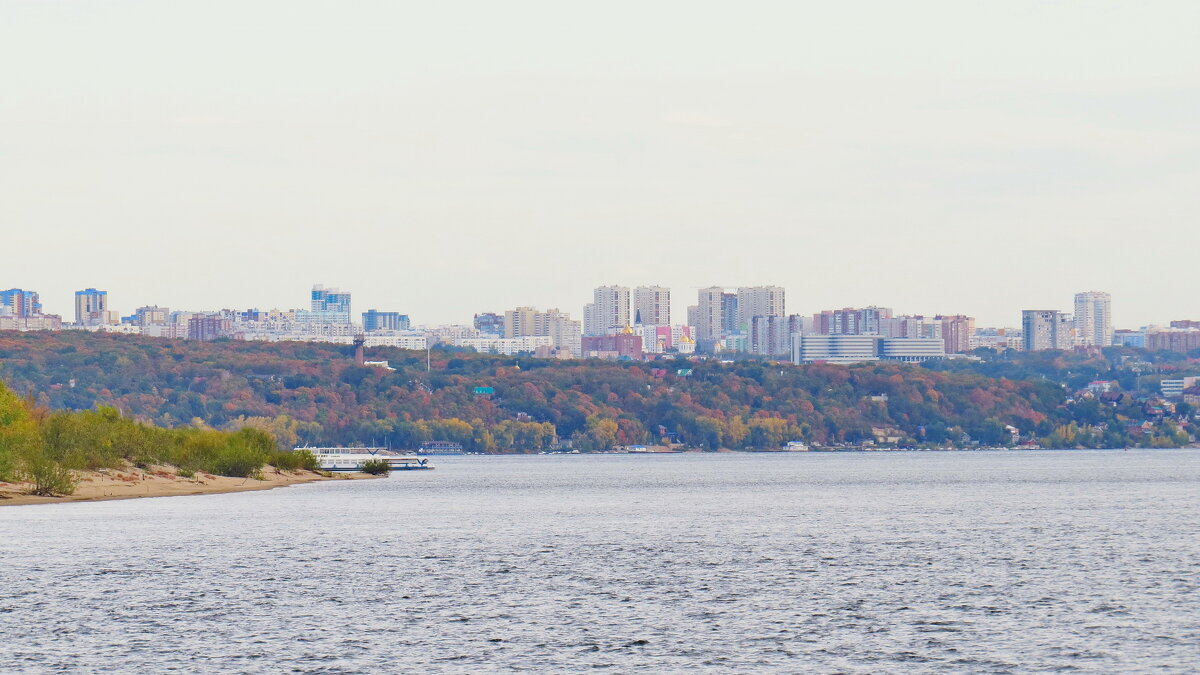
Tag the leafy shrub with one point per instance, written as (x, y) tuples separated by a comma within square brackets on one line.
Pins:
[(294, 460), (244, 453), (375, 467), (46, 477), (43, 447)]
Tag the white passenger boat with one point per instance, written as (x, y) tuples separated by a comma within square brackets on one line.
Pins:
[(352, 459)]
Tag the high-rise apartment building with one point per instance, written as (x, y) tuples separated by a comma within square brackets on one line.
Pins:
[(524, 322), (910, 326), (91, 307), (208, 327), (20, 303), (151, 315), (755, 301), (376, 320), (772, 335), (1093, 318), (652, 306), (709, 314), (852, 321), (564, 331), (729, 314), (608, 311), (957, 331), (1047, 329), (330, 305)]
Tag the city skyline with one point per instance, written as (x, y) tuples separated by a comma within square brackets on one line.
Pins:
[(332, 304), (752, 320), (680, 302)]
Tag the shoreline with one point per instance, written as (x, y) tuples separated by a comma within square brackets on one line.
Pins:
[(157, 481)]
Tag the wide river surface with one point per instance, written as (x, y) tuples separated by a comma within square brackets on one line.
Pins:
[(1005, 562)]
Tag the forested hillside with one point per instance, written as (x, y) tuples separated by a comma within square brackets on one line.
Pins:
[(1134, 370), (315, 393)]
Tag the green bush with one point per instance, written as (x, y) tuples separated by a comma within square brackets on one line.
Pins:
[(43, 448), (307, 459), (237, 462), (18, 433), (46, 477), (293, 460), (375, 467)]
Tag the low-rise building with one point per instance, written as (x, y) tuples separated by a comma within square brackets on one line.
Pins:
[(912, 350), (374, 319), (507, 346), (1173, 388), (1173, 339), (835, 348), (31, 323), (407, 339), (626, 344), (861, 348)]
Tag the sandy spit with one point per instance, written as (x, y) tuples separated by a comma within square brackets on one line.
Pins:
[(158, 481)]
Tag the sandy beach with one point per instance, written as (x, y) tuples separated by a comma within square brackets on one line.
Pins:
[(132, 483)]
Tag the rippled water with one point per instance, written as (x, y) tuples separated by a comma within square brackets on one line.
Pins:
[(909, 562)]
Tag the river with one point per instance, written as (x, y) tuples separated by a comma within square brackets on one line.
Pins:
[(1005, 562)]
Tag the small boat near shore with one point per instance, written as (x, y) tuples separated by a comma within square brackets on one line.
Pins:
[(352, 459), (441, 448)]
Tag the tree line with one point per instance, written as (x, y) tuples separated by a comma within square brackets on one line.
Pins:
[(314, 393)]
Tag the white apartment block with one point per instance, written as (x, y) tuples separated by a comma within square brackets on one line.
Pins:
[(506, 346), (401, 339), (755, 301), (708, 313), (452, 332), (652, 305), (564, 332), (652, 342), (1093, 319), (609, 309), (31, 323), (1047, 329)]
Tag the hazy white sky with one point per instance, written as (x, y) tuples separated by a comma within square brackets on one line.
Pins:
[(446, 158)]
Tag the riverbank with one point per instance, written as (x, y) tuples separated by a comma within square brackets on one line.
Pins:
[(132, 483)]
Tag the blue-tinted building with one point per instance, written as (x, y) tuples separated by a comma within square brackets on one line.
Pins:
[(490, 322), (21, 303), (91, 307), (376, 320), (330, 305)]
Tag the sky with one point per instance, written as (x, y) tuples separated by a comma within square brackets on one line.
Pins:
[(442, 159)]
